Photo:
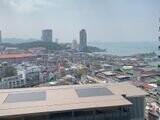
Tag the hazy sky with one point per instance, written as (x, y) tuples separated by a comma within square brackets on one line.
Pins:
[(104, 20)]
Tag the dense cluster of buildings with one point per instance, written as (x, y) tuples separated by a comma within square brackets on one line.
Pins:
[(26, 77), (100, 86), (70, 68)]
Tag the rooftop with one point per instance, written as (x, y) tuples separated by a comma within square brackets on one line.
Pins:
[(15, 55), (59, 98)]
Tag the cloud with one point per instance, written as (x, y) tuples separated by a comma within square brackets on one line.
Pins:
[(103, 19), (28, 6)]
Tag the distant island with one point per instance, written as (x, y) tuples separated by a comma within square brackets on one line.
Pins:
[(50, 46)]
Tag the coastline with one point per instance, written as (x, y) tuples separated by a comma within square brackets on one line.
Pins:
[(127, 48)]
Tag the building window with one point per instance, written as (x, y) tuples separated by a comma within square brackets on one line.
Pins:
[(22, 82), (83, 113), (63, 115), (14, 84), (18, 83), (10, 84)]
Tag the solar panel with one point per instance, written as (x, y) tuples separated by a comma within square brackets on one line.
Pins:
[(25, 97), (91, 92)]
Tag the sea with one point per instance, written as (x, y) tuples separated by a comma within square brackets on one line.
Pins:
[(127, 48)]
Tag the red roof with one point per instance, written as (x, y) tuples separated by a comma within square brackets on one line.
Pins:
[(147, 86), (17, 55)]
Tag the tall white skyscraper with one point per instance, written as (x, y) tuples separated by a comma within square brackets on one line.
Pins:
[(83, 40), (0, 36), (47, 35), (159, 41)]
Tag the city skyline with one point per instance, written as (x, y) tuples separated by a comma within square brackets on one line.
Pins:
[(105, 20)]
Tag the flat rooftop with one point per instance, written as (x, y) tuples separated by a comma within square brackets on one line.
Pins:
[(60, 98)]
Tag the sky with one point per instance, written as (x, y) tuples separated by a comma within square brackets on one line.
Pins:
[(104, 20)]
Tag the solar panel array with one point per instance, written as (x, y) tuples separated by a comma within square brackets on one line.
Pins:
[(91, 92), (25, 97)]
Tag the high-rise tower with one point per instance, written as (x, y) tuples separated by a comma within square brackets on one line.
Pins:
[(159, 41), (47, 35), (83, 40), (0, 37)]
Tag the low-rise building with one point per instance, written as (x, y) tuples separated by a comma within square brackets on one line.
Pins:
[(107, 67), (17, 57), (153, 111), (79, 102), (153, 115), (12, 82), (31, 74)]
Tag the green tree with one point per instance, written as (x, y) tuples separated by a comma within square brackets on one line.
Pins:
[(8, 71)]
